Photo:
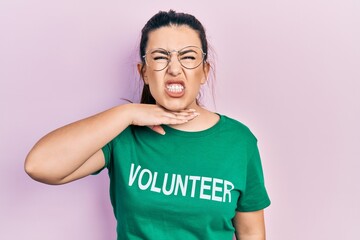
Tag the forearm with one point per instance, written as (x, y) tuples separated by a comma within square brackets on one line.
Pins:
[(62, 151), (249, 225), (68, 153), (245, 236)]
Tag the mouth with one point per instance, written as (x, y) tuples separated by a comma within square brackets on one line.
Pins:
[(175, 88)]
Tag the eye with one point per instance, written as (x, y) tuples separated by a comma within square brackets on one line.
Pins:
[(188, 57), (160, 58), (159, 55)]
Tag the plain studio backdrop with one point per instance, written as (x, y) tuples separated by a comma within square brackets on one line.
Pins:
[(289, 70)]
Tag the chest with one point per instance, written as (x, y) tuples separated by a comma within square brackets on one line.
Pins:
[(167, 179)]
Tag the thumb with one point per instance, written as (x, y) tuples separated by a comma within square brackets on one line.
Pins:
[(158, 129)]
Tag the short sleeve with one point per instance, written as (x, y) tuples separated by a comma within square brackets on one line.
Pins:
[(106, 150), (254, 197)]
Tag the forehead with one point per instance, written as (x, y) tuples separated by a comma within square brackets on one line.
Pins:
[(173, 38)]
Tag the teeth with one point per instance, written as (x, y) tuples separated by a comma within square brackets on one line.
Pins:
[(175, 87)]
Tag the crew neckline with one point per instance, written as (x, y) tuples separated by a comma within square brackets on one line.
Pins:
[(205, 132)]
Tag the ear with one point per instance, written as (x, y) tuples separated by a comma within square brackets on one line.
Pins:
[(206, 69), (142, 71)]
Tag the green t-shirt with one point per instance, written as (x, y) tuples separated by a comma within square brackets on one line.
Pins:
[(184, 185)]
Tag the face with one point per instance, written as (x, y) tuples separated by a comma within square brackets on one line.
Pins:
[(175, 87)]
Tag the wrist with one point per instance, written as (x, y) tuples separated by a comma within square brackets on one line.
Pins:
[(128, 111)]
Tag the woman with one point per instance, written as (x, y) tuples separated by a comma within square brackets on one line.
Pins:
[(177, 170)]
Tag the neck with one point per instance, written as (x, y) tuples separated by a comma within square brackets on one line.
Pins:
[(205, 120)]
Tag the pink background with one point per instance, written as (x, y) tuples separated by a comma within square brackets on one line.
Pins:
[(290, 70)]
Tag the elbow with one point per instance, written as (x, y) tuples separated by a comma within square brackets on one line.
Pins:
[(31, 170), (38, 171), (30, 166)]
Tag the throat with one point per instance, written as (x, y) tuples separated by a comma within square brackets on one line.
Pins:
[(204, 121)]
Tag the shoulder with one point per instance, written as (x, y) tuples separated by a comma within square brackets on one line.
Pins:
[(132, 132), (125, 136), (237, 128)]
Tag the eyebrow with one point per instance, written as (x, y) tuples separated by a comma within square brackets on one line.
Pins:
[(160, 50), (186, 51)]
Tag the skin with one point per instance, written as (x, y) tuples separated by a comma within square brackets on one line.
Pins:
[(249, 225), (66, 154), (180, 37), (175, 38)]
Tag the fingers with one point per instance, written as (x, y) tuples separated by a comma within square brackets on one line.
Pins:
[(178, 117), (158, 129), (154, 115), (182, 113), (185, 112), (173, 118)]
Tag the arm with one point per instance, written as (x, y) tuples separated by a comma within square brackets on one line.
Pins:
[(74, 151), (249, 225)]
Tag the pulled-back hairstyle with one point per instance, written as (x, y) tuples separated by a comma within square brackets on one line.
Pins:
[(164, 19)]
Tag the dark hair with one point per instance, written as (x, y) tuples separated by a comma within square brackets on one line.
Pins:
[(163, 19)]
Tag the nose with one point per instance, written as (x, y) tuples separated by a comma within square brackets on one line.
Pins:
[(174, 67)]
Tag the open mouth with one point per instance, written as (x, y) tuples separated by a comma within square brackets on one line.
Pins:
[(175, 87)]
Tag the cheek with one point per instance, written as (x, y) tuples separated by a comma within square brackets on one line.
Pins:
[(200, 76), (155, 81)]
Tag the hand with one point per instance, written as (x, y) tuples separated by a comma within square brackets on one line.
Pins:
[(153, 116)]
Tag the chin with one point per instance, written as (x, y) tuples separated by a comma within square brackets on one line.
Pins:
[(176, 106)]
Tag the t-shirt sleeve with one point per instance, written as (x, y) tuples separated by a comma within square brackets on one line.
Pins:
[(254, 197), (106, 150)]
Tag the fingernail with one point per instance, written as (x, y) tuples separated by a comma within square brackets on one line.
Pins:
[(192, 110)]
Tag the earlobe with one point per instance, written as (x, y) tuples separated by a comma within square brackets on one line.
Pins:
[(206, 72), (142, 71), (139, 66)]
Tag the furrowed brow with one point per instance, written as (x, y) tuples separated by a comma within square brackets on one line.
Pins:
[(187, 51), (162, 51)]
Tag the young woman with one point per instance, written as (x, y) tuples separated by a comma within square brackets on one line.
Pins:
[(177, 170)]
